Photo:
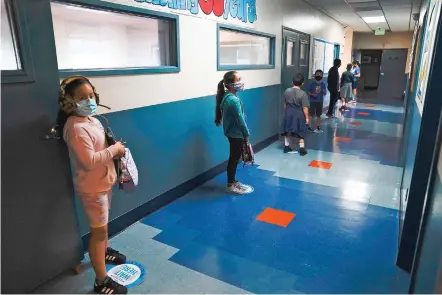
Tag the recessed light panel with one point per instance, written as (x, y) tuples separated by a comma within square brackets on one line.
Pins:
[(374, 19)]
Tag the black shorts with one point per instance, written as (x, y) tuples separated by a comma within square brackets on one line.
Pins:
[(315, 109)]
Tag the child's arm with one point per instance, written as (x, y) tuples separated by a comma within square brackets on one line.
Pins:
[(284, 103), (81, 144), (311, 91), (305, 106), (240, 119)]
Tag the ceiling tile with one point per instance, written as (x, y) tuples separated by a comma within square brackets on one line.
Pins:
[(371, 13), (351, 12)]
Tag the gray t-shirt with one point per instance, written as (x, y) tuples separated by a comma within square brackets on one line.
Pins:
[(296, 98)]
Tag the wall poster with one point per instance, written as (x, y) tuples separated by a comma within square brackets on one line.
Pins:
[(427, 52), (318, 55), (323, 55)]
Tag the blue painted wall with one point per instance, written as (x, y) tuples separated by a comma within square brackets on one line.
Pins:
[(431, 251), (412, 129), (174, 142)]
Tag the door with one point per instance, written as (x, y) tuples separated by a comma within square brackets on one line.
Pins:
[(40, 235), (295, 58), (337, 51), (426, 272), (392, 74)]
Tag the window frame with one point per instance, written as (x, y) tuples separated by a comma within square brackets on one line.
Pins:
[(306, 53), (250, 32), (21, 34), (134, 11), (286, 40)]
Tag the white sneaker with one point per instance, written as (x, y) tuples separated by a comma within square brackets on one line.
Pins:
[(234, 189), (247, 189)]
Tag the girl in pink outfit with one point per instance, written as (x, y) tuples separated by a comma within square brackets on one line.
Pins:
[(93, 172)]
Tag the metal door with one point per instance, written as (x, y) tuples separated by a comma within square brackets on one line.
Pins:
[(40, 235), (295, 58), (392, 78)]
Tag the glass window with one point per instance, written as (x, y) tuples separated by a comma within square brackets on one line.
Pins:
[(87, 38), (303, 49), (289, 53), (10, 56), (240, 48)]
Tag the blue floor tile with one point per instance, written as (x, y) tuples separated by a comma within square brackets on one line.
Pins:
[(342, 239)]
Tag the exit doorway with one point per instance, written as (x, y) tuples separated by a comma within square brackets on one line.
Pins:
[(382, 73)]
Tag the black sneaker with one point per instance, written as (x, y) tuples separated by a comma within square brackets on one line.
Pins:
[(287, 149), (114, 257), (302, 151), (109, 286), (319, 129), (310, 129)]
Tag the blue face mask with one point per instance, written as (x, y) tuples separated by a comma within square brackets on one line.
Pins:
[(87, 107), (238, 86)]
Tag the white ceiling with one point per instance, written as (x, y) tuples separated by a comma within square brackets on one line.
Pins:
[(398, 13)]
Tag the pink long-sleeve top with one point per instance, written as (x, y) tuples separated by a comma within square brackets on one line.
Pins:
[(91, 157)]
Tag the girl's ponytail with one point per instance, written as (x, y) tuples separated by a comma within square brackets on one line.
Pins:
[(219, 97)]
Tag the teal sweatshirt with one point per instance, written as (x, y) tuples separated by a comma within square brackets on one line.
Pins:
[(234, 123)]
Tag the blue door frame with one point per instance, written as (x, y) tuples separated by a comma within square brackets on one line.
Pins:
[(424, 157)]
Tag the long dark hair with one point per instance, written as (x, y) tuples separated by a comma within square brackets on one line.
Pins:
[(229, 78), (68, 94)]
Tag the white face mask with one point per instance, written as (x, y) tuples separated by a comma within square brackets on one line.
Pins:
[(87, 107)]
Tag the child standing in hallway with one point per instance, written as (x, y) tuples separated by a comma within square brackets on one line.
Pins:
[(230, 113), (93, 172), (333, 86), (347, 86), (316, 91), (357, 75), (296, 117)]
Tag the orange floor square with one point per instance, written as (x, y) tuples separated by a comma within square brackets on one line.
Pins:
[(363, 113), (369, 105), (276, 217), (320, 164), (355, 123), (343, 139)]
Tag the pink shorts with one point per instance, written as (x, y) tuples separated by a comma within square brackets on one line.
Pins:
[(96, 207)]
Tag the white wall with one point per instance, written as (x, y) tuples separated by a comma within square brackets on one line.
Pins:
[(198, 52), (347, 51)]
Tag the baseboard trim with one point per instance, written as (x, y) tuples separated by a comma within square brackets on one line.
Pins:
[(122, 222)]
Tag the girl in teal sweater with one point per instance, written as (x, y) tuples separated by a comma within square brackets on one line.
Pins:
[(230, 113)]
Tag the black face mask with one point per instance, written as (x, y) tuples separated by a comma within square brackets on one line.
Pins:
[(318, 78)]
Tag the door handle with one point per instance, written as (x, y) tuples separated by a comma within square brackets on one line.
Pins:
[(52, 134), (382, 74)]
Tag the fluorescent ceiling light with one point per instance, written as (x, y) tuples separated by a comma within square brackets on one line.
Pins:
[(374, 19)]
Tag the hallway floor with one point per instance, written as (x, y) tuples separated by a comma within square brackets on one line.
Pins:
[(323, 223)]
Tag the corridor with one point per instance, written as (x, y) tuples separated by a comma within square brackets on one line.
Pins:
[(323, 223)]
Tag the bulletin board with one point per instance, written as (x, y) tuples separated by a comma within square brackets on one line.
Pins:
[(323, 55), (329, 56), (427, 53)]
